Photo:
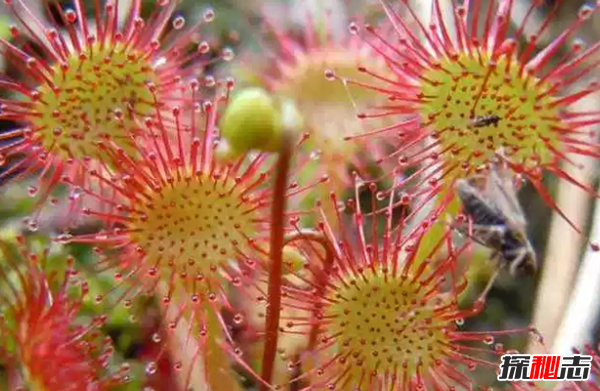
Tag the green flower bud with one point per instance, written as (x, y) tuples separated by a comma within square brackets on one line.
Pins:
[(255, 120)]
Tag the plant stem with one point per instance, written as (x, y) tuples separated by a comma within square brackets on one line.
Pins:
[(321, 279), (276, 258), (181, 347)]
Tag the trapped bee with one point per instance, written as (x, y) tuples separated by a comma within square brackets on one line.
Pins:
[(480, 122), (497, 221)]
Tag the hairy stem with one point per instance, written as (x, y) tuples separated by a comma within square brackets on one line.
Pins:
[(276, 259), (321, 278), (181, 347)]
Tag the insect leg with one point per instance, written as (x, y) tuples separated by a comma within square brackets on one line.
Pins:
[(497, 266), (521, 256)]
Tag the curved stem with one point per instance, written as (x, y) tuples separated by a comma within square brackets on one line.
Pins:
[(321, 278), (276, 256)]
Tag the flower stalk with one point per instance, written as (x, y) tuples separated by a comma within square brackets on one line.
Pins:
[(321, 279), (178, 345), (276, 255)]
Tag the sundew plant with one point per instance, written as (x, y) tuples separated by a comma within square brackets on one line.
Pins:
[(298, 195)]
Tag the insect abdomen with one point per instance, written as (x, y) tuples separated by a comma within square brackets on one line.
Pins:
[(480, 211), (510, 243)]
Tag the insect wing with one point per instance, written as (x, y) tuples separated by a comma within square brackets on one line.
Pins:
[(488, 225), (497, 219), (480, 209), (500, 190)]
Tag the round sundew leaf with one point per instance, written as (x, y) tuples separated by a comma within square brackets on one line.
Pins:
[(93, 99), (465, 94), (408, 331), (197, 220)]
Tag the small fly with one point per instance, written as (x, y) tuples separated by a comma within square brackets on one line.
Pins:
[(497, 221), (480, 122)]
